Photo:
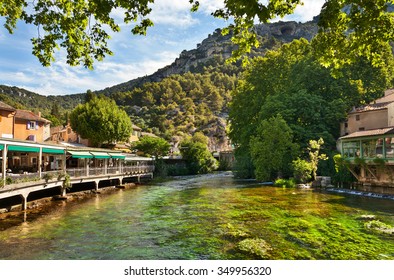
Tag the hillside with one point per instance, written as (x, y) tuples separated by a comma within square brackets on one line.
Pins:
[(270, 35), (191, 94)]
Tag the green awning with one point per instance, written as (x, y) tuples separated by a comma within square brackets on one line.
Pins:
[(52, 151), (1, 147), (13, 148), (117, 155), (80, 154), (100, 155)]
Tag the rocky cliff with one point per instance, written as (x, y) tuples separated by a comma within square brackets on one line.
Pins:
[(270, 35)]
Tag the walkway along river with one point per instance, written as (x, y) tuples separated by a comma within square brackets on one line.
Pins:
[(207, 217)]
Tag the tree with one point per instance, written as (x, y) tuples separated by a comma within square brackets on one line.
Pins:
[(315, 156), (152, 146), (305, 170), (272, 149), (81, 27), (101, 121), (198, 158), (291, 82)]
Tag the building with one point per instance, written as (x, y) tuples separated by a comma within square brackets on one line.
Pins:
[(7, 114), (22, 124), (29, 126), (367, 144), (136, 134), (377, 114), (66, 134)]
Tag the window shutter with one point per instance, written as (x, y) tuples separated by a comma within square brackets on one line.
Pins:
[(28, 125), (36, 125)]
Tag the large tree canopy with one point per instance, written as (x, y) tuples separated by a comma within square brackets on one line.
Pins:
[(290, 82), (348, 28), (101, 121)]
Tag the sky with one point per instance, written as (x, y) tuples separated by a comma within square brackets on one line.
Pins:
[(175, 29)]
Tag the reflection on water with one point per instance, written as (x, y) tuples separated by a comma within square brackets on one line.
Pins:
[(205, 217)]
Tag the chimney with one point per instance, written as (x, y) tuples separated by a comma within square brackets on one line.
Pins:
[(39, 114)]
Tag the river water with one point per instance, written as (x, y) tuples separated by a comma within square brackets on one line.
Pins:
[(205, 217)]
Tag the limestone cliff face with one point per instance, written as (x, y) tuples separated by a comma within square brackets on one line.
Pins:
[(218, 45)]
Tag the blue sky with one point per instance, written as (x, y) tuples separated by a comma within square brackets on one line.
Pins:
[(175, 30)]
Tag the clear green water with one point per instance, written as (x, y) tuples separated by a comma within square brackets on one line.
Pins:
[(206, 217)]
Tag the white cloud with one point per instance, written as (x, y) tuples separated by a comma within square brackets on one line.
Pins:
[(172, 12), (176, 28)]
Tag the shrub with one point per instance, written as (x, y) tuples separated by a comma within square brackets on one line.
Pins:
[(290, 183)]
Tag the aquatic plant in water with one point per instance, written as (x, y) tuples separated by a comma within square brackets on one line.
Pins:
[(255, 246), (378, 226)]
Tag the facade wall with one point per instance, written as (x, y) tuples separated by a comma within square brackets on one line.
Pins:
[(6, 124), (390, 114), (365, 120), (25, 131)]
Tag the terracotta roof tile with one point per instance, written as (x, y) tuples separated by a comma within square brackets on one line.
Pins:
[(30, 116), (7, 107), (371, 132)]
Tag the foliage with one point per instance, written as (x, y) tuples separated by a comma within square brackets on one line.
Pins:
[(342, 174), (243, 165), (315, 156), (101, 121), (352, 29), (286, 183), (302, 170), (152, 146), (272, 149), (198, 158), (255, 246), (180, 105), (379, 226), (348, 29), (47, 177), (291, 82)]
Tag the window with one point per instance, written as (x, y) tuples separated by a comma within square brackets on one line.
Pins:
[(351, 149), (361, 128), (357, 117), (346, 125), (32, 125)]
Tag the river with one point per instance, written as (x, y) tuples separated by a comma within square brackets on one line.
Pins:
[(205, 217)]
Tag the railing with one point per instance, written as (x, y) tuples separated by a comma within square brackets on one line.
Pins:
[(12, 178), (138, 169)]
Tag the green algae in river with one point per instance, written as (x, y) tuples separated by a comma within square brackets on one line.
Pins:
[(207, 217)]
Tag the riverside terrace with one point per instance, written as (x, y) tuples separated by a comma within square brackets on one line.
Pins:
[(30, 169)]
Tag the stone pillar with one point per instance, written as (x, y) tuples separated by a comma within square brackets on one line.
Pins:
[(64, 163), (87, 161), (96, 185), (4, 163), (40, 163), (105, 166), (24, 202)]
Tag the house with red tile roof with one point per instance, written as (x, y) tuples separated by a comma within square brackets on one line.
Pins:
[(23, 124)]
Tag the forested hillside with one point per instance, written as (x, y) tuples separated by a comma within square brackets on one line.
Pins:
[(192, 94)]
